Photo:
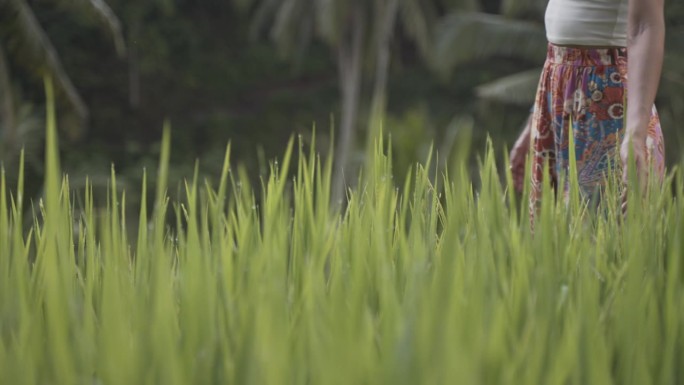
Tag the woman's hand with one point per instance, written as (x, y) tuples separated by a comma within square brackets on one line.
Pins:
[(637, 145)]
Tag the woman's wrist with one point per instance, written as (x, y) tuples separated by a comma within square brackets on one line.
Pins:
[(636, 134), (637, 127)]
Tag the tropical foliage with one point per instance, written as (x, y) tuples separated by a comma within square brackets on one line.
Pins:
[(25, 42), (358, 32), (256, 70), (422, 283), (28, 43)]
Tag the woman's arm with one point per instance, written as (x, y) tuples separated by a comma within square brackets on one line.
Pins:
[(646, 41), (646, 46)]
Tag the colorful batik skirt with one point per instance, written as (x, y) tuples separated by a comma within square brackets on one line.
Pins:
[(582, 93)]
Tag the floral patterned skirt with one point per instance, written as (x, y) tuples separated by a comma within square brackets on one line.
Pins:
[(582, 93)]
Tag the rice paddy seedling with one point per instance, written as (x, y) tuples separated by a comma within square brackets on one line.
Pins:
[(432, 282)]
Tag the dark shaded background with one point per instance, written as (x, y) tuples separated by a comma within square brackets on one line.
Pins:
[(196, 64)]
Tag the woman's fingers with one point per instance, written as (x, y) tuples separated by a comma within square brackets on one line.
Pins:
[(639, 153)]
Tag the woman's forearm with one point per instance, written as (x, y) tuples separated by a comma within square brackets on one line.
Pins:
[(646, 34)]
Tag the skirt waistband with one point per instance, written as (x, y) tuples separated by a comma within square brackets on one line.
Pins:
[(586, 56)]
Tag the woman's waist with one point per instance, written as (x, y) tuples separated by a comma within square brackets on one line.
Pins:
[(585, 55)]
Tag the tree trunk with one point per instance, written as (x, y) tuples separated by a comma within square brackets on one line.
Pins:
[(388, 9), (349, 60), (133, 69), (6, 105)]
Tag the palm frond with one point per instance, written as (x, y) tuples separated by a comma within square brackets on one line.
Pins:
[(6, 102), (263, 17), (528, 9), (100, 11), (459, 5), (468, 37), (293, 26), (519, 88), (30, 46), (417, 17), (328, 20), (242, 5)]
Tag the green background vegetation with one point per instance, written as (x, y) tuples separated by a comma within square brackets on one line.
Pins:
[(252, 276), (257, 72), (427, 282)]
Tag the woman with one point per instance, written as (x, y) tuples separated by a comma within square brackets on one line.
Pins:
[(583, 93)]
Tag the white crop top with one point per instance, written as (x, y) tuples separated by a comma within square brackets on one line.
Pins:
[(587, 22)]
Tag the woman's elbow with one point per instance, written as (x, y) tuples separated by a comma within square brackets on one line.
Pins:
[(645, 17), (652, 28)]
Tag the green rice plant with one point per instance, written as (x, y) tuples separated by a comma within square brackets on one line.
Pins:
[(431, 282)]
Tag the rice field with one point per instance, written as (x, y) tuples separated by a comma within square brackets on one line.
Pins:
[(431, 282)]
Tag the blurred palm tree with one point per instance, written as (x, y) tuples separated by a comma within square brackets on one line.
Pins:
[(23, 40), (360, 35)]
